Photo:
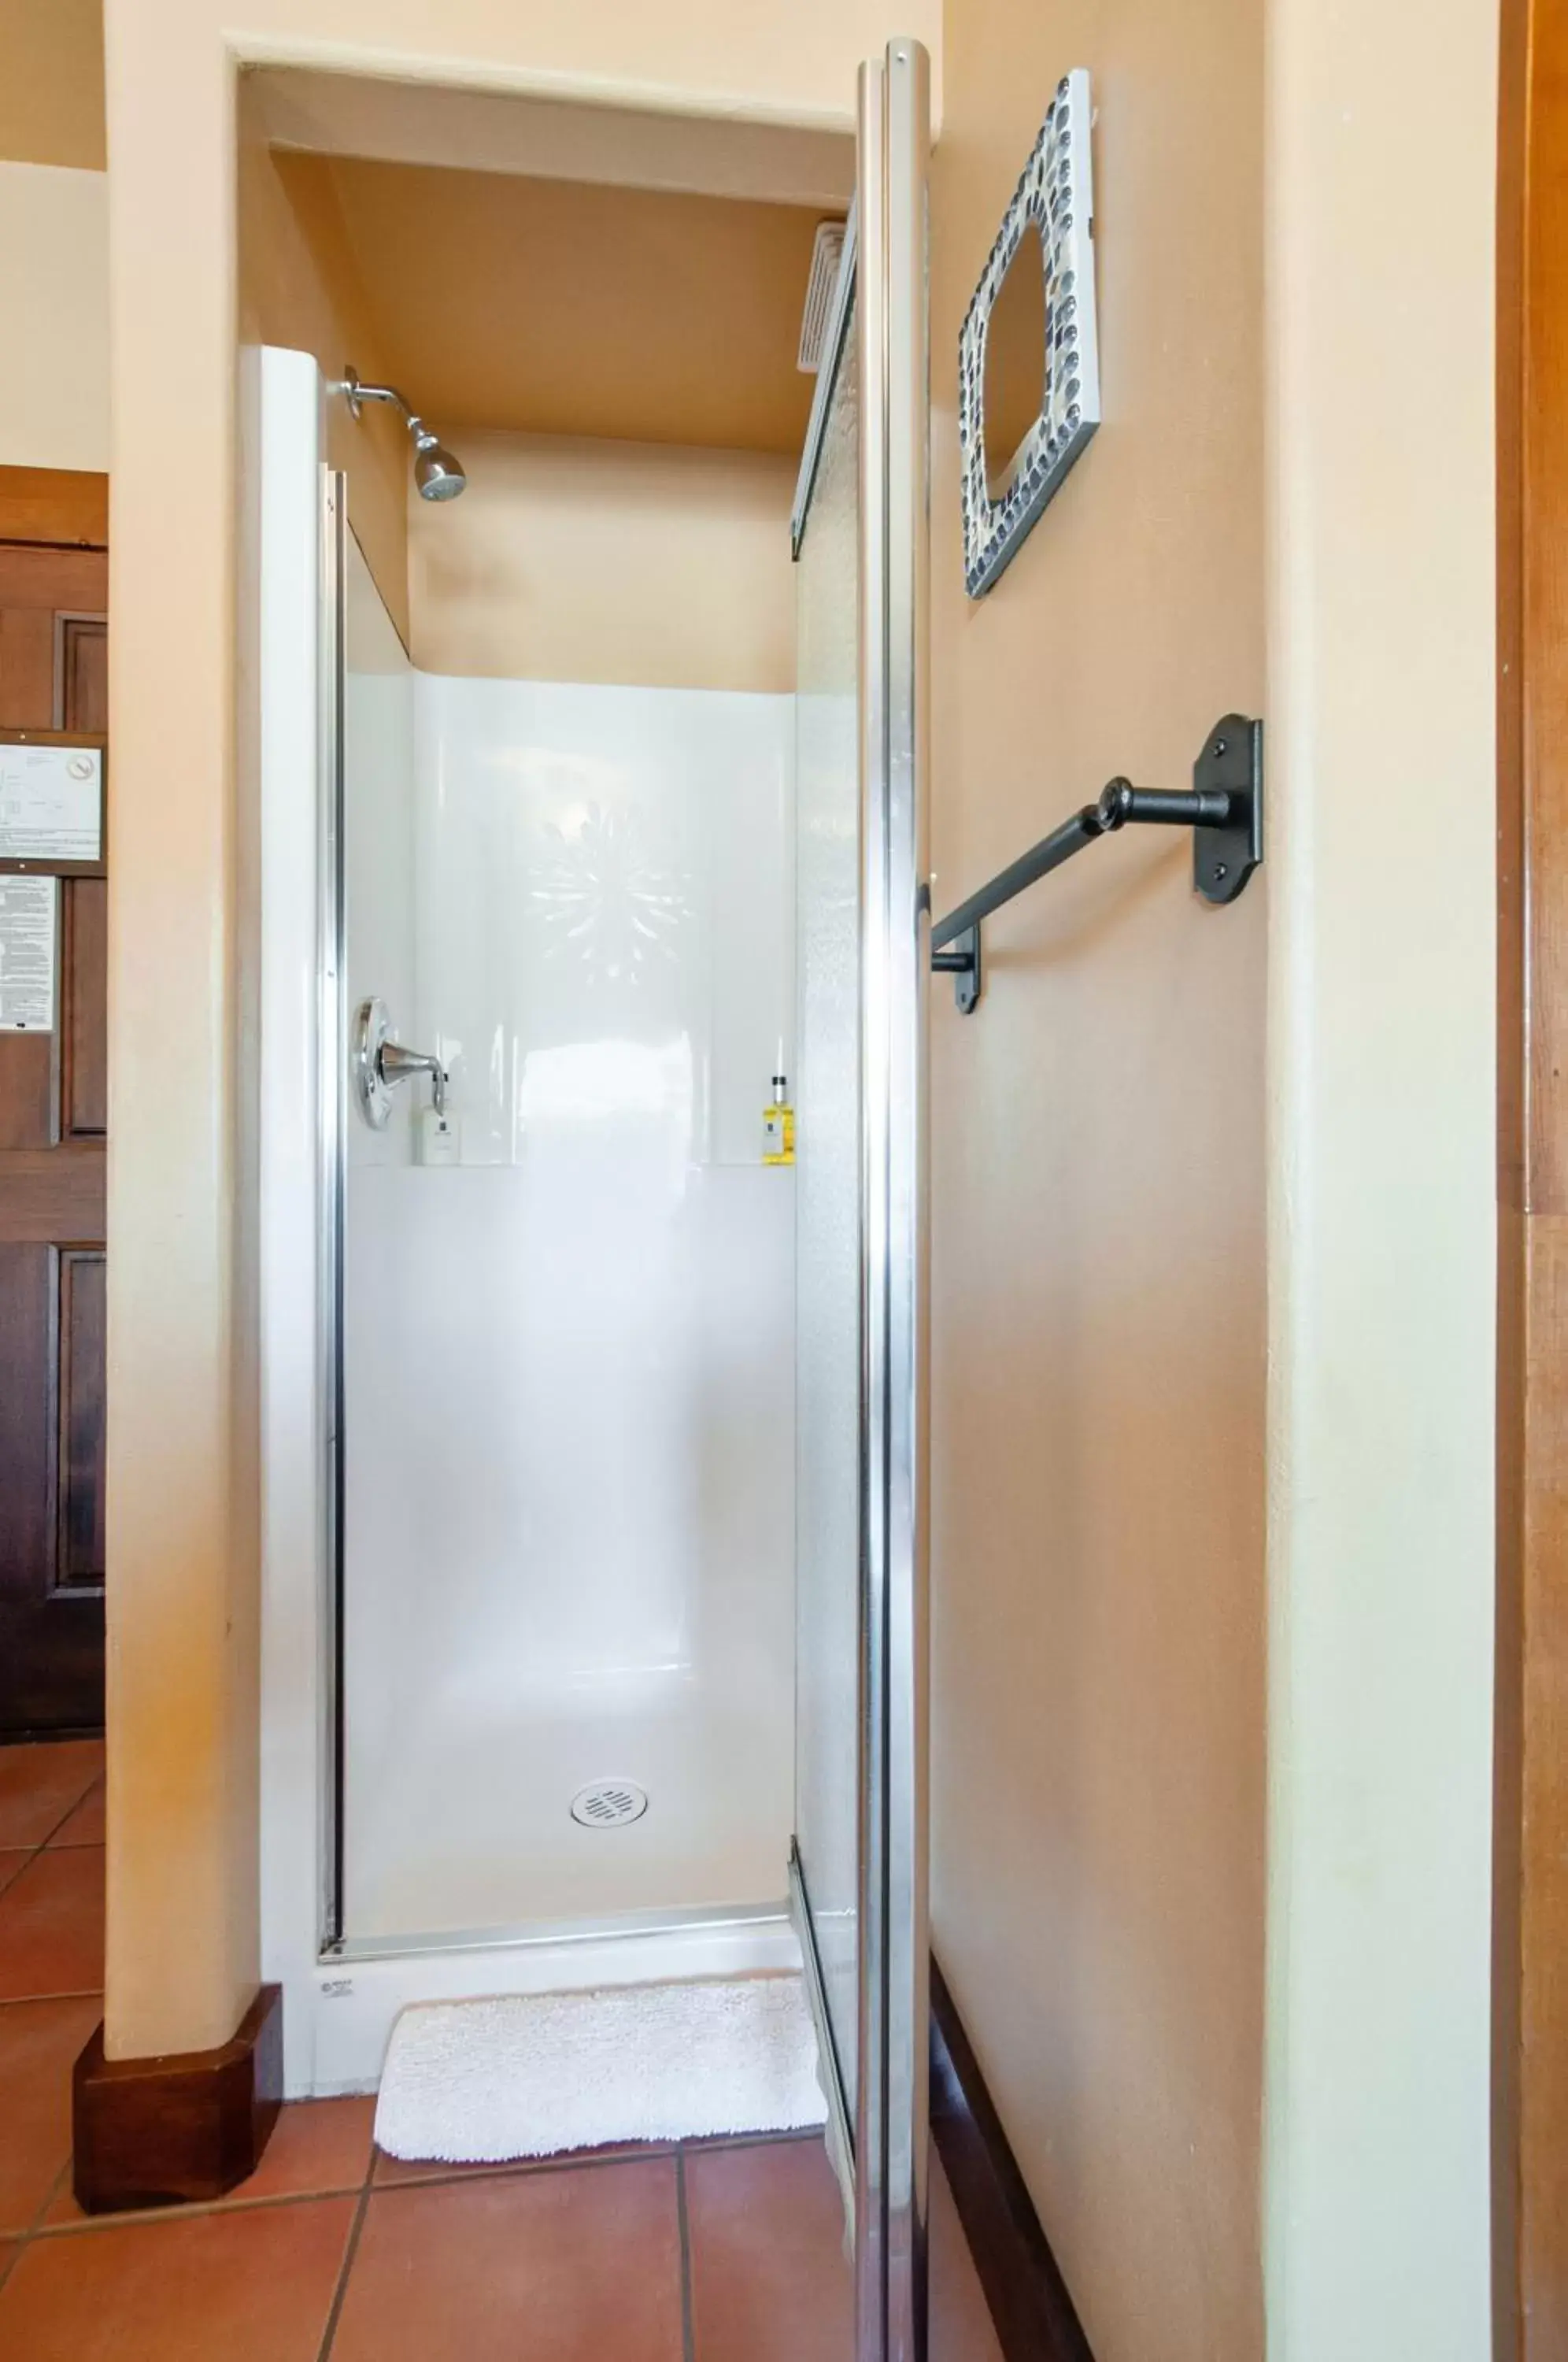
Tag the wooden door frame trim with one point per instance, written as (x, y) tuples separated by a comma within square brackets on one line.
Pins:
[(1530, 2178), (54, 508)]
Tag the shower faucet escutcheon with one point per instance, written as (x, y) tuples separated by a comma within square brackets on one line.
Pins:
[(379, 1064)]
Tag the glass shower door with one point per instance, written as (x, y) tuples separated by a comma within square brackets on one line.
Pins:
[(827, 1216), (859, 1865)]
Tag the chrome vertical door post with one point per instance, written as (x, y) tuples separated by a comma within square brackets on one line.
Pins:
[(909, 923), (871, 2094), (333, 1013), (892, 2110)]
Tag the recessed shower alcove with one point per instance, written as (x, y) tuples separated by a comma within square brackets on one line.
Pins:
[(560, 850)]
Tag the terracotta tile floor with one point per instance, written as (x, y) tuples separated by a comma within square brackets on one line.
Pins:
[(708, 2252)]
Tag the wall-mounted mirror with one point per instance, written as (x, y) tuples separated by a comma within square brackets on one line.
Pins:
[(1028, 356), (1014, 394)]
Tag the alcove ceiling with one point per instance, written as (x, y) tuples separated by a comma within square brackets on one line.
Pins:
[(554, 306)]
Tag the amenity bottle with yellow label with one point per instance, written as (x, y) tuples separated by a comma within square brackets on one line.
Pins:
[(778, 1126)]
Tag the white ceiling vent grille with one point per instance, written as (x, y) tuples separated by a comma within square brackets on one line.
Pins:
[(609, 1803), (826, 255)]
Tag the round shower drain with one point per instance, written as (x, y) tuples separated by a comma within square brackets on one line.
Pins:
[(609, 1803)]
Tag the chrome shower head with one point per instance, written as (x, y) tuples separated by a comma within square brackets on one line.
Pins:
[(437, 473)]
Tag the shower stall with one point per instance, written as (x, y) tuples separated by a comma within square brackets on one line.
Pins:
[(566, 1315), (592, 1242)]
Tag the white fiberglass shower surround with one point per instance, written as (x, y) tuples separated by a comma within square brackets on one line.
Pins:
[(566, 1321), (593, 1437)]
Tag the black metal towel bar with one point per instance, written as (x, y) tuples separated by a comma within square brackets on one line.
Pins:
[(1223, 809)]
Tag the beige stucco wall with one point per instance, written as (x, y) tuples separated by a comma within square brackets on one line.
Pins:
[(1382, 883), (181, 1956), (1097, 1211), (1233, 2152), (575, 559), (299, 287), (54, 297), (54, 237), (51, 83)]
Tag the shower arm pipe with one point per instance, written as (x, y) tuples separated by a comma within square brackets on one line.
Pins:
[(356, 391), (1224, 808)]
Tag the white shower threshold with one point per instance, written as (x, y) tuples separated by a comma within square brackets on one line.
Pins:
[(351, 1998)]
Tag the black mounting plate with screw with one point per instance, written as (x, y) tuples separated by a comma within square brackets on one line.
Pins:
[(1224, 854), (962, 961)]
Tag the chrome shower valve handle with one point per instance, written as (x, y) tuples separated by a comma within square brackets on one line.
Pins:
[(398, 1063), (379, 1064)]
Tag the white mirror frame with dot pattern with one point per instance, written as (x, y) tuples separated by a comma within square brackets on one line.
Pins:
[(1056, 191)]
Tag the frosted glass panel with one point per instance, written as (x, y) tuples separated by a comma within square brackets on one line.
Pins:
[(827, 1184), (568, 1415)]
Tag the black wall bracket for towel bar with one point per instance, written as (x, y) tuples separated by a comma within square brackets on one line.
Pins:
[(1223, 809)]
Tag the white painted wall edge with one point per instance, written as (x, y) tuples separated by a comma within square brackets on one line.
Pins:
[(54, 300), (1382, 1096)]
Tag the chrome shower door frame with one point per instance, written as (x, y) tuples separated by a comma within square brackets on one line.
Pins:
[(333, 1117), (891, 2099)]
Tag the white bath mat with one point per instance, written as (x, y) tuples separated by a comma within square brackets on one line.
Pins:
[(527, 2075)]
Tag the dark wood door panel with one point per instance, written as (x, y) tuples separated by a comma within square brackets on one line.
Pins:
[(82, 689), (53, 1122), (53, 642), (51, 1193), (50, 1630), (27, 1446), (52, 1651), (27, 1090), (63, 581), (84, 1017), (27, 668), (79, 1454)]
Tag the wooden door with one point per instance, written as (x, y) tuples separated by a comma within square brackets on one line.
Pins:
[(53, 1119)]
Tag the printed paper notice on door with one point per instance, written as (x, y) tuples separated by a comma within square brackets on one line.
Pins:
[(27, 955), (51, 803)]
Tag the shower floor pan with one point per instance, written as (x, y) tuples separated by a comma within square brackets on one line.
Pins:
[(468, 1835)]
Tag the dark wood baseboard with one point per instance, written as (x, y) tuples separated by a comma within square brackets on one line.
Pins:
[(156, 2132), (1027, 2295)]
